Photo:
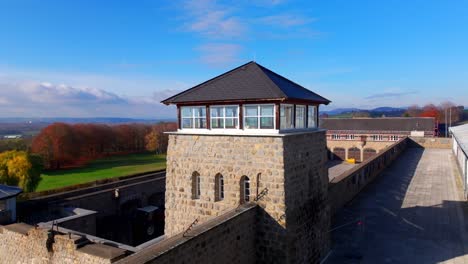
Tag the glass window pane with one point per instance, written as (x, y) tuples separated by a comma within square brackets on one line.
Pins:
[(300, 116), (200, 122), (216, 111), (231, 111), (231, 122), (187, 123), (217, 123), (199, 111), (266, 122), (311, 117), (286, 117), (251, 122), (186, 111), (251, 110), (266, 110)]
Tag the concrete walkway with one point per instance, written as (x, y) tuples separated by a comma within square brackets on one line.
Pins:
[(412, 213)]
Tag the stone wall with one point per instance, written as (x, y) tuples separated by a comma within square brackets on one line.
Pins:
[(288, 180), (99, 198), (343, 188), (256, 157), (21, 243), (421, 142), (230, 238), (306, 189)]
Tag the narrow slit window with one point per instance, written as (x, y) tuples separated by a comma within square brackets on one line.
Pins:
[(196, 184), (245, 189), (219, 187)]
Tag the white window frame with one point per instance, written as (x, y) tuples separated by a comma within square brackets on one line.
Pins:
[(335, 137), (193, 117), (224, 117), (304, 118), (350, 137), (394, 138), (259, 116), (377, 137)]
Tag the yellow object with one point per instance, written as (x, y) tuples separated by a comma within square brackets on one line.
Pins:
[(352, 161)]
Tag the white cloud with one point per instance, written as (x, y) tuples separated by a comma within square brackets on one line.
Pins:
[(35, 99), (3, 101), (212, 20), (219, 54)]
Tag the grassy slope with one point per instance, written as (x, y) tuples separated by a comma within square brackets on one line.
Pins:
[(103, 168)]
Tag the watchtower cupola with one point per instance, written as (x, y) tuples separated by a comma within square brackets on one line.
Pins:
[(247, 99)]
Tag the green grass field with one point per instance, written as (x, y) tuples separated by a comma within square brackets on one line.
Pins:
[(110, 167)]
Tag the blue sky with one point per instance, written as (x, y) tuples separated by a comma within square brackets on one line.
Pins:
[(120, 58)]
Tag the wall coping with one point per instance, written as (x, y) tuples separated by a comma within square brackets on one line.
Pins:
[(353, 170), (20, 228), (166, 245), (242, 133), (103, 251), (76, 213)]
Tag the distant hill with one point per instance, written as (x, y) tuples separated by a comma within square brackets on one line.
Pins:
[(73, 120), (376, 112), (31, 126)]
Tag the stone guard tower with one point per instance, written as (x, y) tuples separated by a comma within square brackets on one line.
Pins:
[(251, 136)]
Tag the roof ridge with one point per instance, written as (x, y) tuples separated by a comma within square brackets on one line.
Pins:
[(222, 75), (300, 86), (269, 80)]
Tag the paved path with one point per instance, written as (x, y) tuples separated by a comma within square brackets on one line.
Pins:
[(412, 213)]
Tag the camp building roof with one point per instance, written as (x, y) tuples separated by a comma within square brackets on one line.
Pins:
[(9, 191), (380, 124), (250, 81)]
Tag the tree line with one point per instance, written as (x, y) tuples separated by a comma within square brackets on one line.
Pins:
[(64, 145), (446, 112)]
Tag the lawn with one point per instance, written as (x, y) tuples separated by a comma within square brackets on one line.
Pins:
[(110, 167)]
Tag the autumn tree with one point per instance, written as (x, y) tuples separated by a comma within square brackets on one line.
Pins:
[(18, 168), (430, 110), (57, 145), (152, 141)]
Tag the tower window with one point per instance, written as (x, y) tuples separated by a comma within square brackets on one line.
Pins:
[(245, 189), (300, 116), (196, 191), (193, 116), (224, 116), (312, 116), (259, 116), (219, 187)]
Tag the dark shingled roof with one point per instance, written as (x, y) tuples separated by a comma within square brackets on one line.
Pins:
[(379, 124), (250, 81), (9, 191)]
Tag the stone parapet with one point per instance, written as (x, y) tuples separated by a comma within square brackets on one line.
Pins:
[(21, 243)]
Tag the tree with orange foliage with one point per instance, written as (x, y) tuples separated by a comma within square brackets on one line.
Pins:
[(57, 145), (430, 110)]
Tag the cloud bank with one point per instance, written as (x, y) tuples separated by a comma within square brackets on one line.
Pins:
[(41, 99)]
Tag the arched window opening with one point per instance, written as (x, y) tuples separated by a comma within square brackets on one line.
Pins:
[(219, 187), (245, 189), (196, 185)]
